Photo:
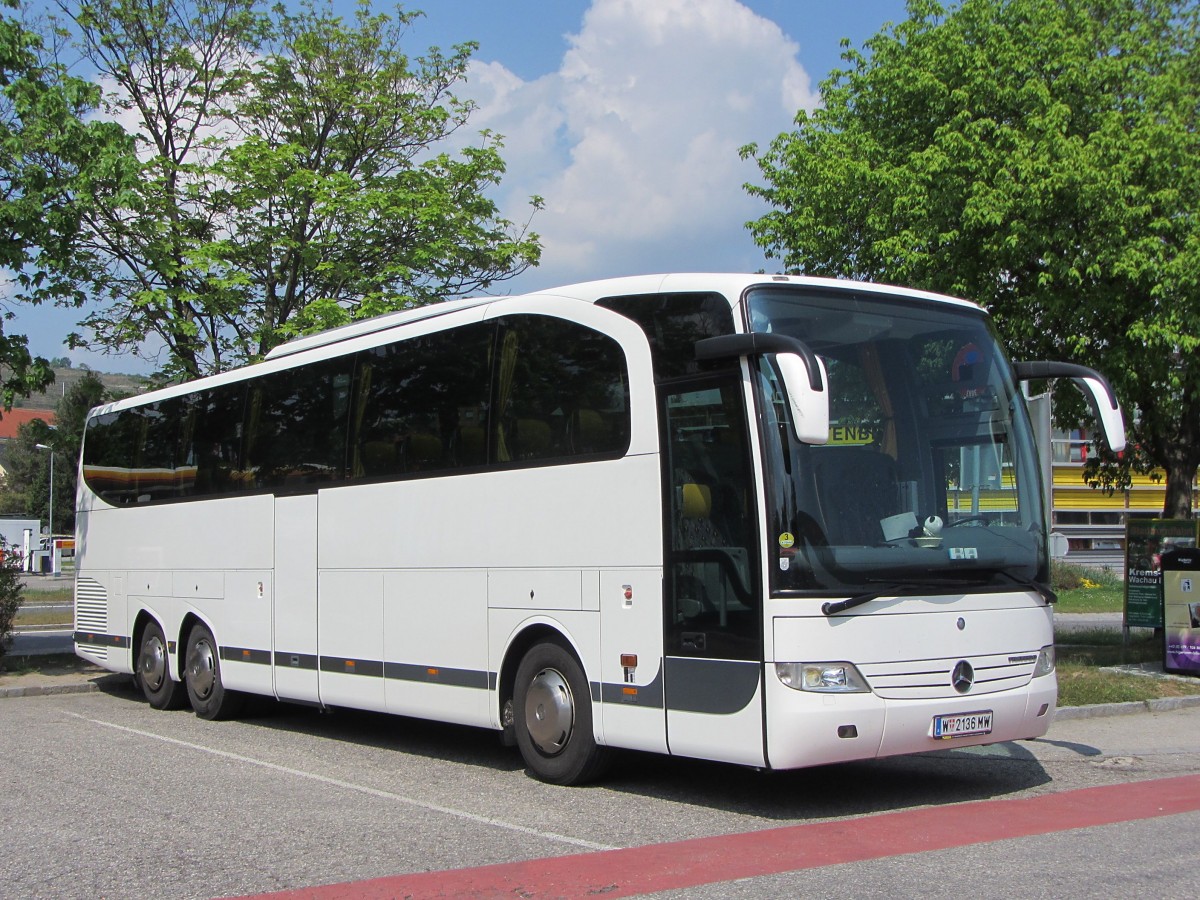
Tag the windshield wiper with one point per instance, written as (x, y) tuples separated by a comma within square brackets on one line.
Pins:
[(896, 588), (903, 588), (1043, 590)]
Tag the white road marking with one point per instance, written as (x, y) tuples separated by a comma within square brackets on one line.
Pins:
[(351, 786)]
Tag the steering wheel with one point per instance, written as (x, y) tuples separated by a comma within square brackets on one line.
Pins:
[(982, 520)]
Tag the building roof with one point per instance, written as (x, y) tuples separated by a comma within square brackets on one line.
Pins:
[(13, 419)]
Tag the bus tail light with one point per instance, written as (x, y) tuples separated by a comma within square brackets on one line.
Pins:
[(825, 677)]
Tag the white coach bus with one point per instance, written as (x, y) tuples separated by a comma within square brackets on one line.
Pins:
[(775, 521)]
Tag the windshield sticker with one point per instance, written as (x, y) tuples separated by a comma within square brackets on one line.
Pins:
[(787, 540)]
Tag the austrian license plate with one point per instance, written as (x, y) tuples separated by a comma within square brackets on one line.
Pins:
[(962, 724)]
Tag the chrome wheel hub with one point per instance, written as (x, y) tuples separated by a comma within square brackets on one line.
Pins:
[(201, 668), (549, 711), (153, 664)]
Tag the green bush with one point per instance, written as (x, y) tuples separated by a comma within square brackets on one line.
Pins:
[(10, 596), (1066, 576)]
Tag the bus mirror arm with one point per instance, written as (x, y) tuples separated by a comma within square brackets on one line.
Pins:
[(1095, 387), (803, 374)]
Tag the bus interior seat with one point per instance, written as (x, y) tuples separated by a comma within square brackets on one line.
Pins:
[(470, 445), (530, 439), (378, 458), (587, 430), (857, 487), (423, 451)]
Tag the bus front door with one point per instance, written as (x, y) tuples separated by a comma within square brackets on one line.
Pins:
[(713, 617)]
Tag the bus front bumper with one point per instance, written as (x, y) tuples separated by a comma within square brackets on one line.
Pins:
[(811, 729)]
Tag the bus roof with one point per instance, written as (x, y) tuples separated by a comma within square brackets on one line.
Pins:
[(732, 286)]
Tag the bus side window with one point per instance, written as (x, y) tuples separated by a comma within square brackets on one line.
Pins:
[(561, 392)]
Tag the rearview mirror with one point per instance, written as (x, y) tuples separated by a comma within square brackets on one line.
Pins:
[(809, 405), (1094, 386), (803, 374)]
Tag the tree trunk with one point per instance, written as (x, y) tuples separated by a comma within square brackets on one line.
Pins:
[(1181, 472)]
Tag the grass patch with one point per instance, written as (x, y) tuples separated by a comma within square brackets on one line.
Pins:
[(1082, 658), (1086, 685), (1083, 590), (58, 595), (26, 617)]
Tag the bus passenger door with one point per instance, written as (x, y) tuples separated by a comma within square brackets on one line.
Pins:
[(713, 614), (294, 611)]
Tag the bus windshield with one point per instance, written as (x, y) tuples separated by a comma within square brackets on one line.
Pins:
[(929, 476)]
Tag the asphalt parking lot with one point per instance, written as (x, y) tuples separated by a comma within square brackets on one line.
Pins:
[(106, 797)]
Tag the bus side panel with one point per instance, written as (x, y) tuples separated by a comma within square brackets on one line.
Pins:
[(350, 624), (295, 599), (240, 619), (435, 645), (631, 631), (586, 516)]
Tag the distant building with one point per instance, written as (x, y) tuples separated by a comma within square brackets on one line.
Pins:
[(1092, 519), (11, 423)]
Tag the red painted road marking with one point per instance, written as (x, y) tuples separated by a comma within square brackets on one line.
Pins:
[(662, 867)]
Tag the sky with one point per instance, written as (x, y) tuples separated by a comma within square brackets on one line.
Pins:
[(626, 117)]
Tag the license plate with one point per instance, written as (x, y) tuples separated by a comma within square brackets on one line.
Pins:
[(962, 724)]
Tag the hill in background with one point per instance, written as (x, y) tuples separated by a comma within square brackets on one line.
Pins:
[(63, 376)]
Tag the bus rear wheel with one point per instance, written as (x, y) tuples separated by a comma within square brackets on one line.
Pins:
[(202, 674), (153, 671), (553, 718)]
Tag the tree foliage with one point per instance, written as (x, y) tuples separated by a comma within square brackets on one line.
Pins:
[(44, 143), (25, 490), (10, 595), (1038, 156), (292, 174)]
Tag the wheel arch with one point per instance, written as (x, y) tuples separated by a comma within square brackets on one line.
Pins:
[(143, 618), (525, 638)]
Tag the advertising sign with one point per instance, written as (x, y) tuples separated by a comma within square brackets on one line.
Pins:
[(1181, 595), (1145, 542)]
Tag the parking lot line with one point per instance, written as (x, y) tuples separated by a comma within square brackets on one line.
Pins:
[(349, 785)]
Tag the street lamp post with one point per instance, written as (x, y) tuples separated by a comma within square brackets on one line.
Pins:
[(50, 544)]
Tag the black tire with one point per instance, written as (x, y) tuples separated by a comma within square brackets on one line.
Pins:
[(152, 671), (553, 717), (202, 674)]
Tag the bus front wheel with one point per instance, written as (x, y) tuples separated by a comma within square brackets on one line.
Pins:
[(153, 671), (553, 719), (202, 674)]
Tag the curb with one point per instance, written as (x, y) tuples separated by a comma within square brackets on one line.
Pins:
[(1101, 710), (41, 690)]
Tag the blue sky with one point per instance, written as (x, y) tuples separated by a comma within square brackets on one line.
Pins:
[(626, 117)]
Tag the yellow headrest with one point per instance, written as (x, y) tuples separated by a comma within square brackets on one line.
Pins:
[(696, 501)]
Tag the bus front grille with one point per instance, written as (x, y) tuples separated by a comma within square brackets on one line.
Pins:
[(929, 679)]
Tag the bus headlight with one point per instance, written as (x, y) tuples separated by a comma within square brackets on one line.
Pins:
[(1045, 661), (825, 677)]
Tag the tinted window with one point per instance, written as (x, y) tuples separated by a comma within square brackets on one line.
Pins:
[(213, 439), (421, 405), (561, 391), (673, 323), (296, 425), (135, 456)]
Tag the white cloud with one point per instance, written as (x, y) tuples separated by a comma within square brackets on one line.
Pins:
[(633, 141)]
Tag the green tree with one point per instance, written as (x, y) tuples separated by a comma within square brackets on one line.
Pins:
[(44, 143), (293, 177), (25, 490), (10, 596), (1038, 156)]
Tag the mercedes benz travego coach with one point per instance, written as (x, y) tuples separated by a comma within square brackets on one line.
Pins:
[(771, 520)]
